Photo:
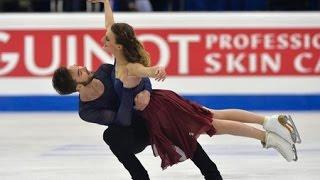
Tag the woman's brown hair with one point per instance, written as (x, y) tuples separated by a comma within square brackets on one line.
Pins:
[(133, 50)]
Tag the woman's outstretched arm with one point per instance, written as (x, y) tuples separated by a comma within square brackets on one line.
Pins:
[(139, 70), (108, 14)]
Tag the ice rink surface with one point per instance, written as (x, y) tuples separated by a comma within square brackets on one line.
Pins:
[(60, 146)]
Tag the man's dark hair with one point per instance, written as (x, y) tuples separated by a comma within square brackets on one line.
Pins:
[(62, 81)]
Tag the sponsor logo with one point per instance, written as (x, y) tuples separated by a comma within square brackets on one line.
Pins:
[(184, 52)]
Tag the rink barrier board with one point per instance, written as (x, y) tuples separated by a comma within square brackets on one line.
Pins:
[(248, 102)]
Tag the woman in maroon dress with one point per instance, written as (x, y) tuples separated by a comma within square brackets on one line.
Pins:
[(175, 123)]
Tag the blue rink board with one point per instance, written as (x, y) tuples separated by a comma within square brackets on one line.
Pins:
[(248, 102)]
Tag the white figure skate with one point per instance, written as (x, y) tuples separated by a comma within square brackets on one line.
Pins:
[(283, 126), (287, 150)]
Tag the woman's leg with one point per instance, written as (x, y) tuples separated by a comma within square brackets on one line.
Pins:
[(238, 115), (238, 129), (269, 140), (278, 124)]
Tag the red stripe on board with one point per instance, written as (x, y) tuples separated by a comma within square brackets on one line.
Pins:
[(205, 52)]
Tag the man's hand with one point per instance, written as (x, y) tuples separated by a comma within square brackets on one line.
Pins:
[(142, 100)]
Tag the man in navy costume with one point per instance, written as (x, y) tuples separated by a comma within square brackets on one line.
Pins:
[(126, 134)]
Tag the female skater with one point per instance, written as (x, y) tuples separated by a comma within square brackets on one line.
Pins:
[(174, 123)]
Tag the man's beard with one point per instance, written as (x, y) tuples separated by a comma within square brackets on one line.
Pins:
[(88, 81)]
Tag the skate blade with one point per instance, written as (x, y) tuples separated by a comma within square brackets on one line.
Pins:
[(295, 132), (295, 153), (288, 123)]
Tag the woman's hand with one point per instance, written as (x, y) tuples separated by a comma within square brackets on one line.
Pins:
[(96, 1), (160, 73)]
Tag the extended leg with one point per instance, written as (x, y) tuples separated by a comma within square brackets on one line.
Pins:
[(282, 125), (238, 115), (268, 139), (237, 129)]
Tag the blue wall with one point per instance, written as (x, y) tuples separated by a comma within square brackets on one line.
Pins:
[(248, 102)]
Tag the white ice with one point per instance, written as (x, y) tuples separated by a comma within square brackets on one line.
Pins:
[(60, 146)]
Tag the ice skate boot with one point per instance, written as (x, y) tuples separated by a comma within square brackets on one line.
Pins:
[(287, 150), (283, 126)]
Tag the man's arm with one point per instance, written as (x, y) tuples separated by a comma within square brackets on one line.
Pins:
[(143, 98), (147, 84)]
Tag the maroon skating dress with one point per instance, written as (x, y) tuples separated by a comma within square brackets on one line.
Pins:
[(174, 124)]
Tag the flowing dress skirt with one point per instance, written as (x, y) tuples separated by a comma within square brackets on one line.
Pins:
[(174, 124)]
